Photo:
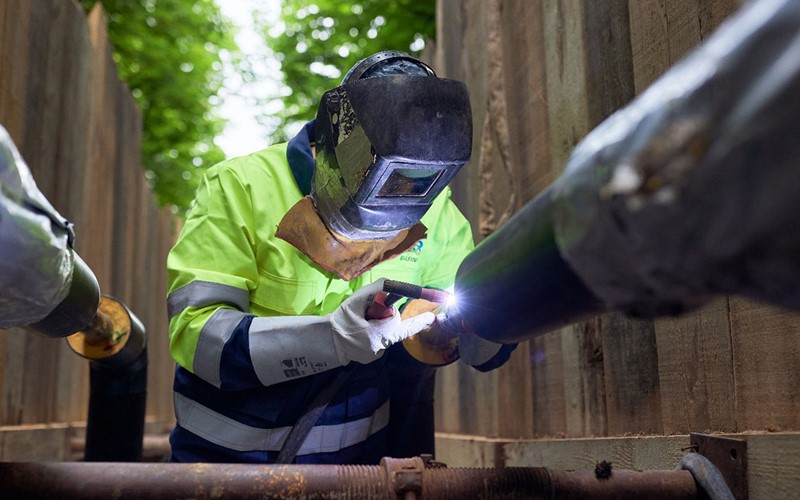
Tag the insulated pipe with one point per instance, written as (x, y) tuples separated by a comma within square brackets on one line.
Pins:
[(690, 191), (116, 346), (394, 478)]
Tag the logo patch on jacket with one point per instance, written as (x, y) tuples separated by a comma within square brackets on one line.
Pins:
[(413, 254)]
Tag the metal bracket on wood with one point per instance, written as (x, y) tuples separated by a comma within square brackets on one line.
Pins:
[(729, 455)]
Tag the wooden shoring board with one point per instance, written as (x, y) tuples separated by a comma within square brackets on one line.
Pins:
[(51, 442), (70, 170), (38, 442), (46, 375), (635, 453), (695, 370), (589, 76), (694, 350), (14, 49), (162, 367), (467, 400), (765, 342), (773, 459)]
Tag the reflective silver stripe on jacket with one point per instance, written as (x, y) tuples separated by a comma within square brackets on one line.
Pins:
[(287, 347), (206, 293), (215, 333), (234, 435)]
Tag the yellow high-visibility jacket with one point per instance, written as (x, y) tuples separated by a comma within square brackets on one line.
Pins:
[(228, 268)]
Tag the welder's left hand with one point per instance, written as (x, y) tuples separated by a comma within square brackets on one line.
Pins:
[(476, 351)]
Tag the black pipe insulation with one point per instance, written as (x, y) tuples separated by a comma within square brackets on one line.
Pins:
[(115, 424)]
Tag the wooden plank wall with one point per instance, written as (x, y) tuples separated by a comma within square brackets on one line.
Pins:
[(542, 74), (79, 130)]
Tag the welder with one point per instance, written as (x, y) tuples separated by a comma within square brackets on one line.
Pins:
[(283, 253)]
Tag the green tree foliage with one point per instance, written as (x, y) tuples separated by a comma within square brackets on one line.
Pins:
[(318, 41), (168, 52)]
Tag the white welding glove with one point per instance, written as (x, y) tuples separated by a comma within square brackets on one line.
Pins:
[(359, 339), (474, 350)]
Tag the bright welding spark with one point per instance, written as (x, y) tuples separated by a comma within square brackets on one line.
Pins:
[(451, 298)]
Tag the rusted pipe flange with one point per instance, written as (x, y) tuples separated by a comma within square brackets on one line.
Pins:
[(404, 475)]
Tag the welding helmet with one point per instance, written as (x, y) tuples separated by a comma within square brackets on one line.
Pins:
[(389, 139)]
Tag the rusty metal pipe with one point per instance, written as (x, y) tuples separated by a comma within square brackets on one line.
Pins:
[(394, 478), (653, 484)]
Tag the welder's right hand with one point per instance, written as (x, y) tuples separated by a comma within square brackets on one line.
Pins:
[(363, 340)]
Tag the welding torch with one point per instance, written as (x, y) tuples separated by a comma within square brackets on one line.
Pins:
[(393, 291)]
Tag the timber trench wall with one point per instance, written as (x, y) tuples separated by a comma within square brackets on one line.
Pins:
[(79, 130), (542, 74)]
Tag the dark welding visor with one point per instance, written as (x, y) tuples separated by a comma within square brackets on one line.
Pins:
[(386, 146)]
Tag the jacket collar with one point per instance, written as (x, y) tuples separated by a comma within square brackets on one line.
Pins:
[(301, 161)]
